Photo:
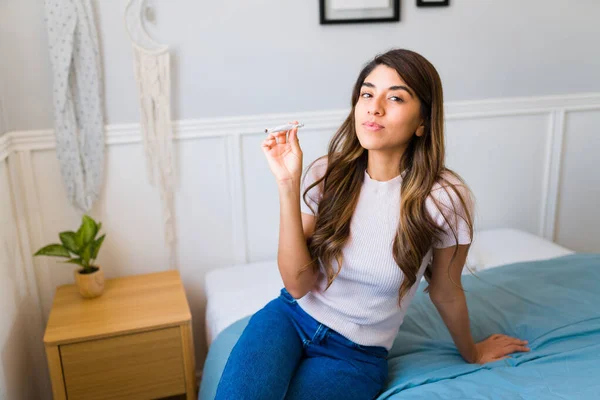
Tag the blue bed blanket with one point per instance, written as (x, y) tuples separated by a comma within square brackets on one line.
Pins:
[(554, 304)]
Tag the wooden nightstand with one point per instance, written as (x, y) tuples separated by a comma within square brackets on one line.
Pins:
[(133, 342)]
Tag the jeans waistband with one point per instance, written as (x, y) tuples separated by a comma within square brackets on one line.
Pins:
[(322, 330)]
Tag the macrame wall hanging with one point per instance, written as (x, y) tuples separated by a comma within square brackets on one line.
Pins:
[(78, 113), (153, 77)]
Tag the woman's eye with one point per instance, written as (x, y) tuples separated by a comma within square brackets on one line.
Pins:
[(393, 98)]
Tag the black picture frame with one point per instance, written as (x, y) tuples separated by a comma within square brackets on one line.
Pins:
[(433, 3), (325, 19)]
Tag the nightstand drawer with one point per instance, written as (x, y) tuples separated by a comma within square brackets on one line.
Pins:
[(135, 366)]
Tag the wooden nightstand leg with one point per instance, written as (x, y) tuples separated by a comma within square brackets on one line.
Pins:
[(56, 373), (189, 360)]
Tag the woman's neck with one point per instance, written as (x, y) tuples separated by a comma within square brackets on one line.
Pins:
[(383, 167)]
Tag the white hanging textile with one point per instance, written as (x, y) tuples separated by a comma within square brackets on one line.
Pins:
[(78, 114), (153, 77)]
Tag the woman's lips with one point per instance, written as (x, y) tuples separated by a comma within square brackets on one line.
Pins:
[(372, 126)]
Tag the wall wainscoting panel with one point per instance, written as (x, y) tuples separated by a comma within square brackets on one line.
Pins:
[(529, 161), (21, 323), (577, 219)]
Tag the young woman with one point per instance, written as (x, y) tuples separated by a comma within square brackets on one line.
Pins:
[(356, 235)]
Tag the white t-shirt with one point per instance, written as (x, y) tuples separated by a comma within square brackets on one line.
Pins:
[(362, 301)]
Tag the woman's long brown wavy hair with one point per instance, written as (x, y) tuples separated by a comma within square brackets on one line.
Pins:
[(423, 161)]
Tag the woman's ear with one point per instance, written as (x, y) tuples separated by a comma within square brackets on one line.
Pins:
[(420, 130)]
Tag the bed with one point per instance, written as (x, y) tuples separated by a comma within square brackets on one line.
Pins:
[(236, 291), (525, 287)]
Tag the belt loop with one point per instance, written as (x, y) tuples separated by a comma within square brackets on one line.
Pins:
[(320, 333)]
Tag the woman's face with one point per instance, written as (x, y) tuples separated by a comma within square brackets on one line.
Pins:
[(387, 113)]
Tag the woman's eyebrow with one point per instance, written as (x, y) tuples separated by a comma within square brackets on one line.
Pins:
[(396, 87)]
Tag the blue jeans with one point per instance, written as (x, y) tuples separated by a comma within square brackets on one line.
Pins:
[(284, 353)]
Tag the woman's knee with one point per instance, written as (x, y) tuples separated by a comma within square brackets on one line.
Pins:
[(271, 312), (330, 378)]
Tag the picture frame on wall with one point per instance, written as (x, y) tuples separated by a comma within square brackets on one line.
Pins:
[(358, 11), (433, 3)]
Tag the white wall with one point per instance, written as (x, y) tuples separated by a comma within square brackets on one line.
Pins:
[(578, 216), (235, 57), (3, 123), (3, 68), (22, 363)]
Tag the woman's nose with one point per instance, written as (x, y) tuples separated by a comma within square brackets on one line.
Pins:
[(375, 108)]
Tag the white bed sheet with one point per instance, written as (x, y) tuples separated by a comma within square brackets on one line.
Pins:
[(237, 291)]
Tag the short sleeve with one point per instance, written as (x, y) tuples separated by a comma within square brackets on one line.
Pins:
[(313, 197), (455, 214)]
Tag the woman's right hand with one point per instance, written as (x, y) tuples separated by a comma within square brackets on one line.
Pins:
[(284, 157)]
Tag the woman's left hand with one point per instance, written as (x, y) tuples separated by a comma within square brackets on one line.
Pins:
[(497, 347)]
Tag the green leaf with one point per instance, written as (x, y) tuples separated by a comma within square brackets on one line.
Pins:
[(69, 241), (54, 249), (96, 246), (86, 253), (88, 230), (77, 261), (98, 226), (79, 239)]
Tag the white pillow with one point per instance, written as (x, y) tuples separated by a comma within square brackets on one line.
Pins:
[(495, 247)]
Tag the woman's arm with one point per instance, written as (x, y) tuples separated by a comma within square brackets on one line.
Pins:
[(294, 229), (450, 301), (285, 161), (449, 298)]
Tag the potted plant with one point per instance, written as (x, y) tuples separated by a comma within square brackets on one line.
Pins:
[(81, 248)]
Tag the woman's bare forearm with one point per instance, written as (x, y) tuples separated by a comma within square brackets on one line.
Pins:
[(293, 254)]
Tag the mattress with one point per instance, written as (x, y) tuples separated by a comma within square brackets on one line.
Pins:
[(237, 291), (553, 304)]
